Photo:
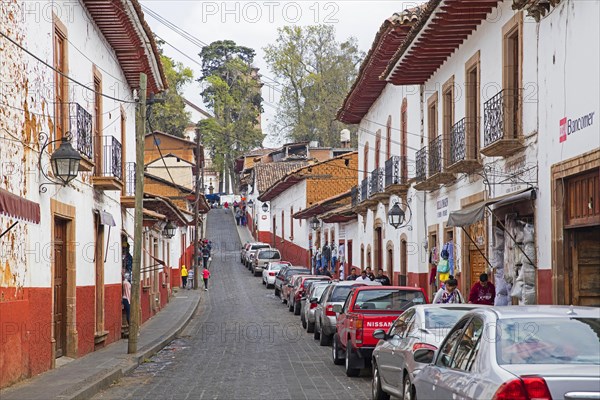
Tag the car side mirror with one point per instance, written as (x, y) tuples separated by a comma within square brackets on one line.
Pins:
[(424, 356), (337, 308), (380, 334)]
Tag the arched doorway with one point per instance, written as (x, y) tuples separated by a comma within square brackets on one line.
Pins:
[(403, 275), (390, 261)]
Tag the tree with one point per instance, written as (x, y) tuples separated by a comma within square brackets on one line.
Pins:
[(233, 94), (317, 72), (171, 116)]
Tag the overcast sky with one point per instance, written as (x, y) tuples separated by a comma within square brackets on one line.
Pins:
[(254, 24)]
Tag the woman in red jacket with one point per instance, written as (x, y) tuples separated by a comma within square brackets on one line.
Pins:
[(205, 275)]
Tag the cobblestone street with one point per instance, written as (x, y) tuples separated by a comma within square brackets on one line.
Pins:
[(242, 344)]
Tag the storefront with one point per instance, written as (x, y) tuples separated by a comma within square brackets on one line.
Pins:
[(576, 231)]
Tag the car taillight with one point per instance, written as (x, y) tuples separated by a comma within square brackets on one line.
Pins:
[(271, 273), (427, 346), (526, 388), (358, 326), (313, 305), (329, 311)]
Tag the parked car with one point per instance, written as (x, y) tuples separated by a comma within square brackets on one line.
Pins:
[(420, 327), (243, 251), (290, 283), (314, 291), (325, 318), (251, 252), (283, 274), (297, 291), (515, 352), (269, 272), (367, 309), (264, 256)]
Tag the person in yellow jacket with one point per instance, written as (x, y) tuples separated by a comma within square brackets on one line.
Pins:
[(184, 275)]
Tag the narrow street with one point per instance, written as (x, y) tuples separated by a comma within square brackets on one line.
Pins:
[(242, 344)]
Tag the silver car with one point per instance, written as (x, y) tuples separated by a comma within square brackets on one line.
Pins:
[(251, 252), (420, 327), (309, 304), (325, 317), (262, 258), (516, 352)]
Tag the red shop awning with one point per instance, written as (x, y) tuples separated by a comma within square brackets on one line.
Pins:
[(15, 206)]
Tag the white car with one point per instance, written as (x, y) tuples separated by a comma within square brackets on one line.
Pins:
[(268, 273)]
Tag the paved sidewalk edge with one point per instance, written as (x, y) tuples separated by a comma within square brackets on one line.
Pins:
[(132, 362)]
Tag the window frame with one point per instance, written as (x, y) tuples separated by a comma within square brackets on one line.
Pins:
[(473, 107), (448, 119), (513, 27), (432, 117), (61, 83)]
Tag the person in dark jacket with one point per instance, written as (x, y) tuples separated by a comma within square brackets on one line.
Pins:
[(381, 278), (352, 276), (482, 292)]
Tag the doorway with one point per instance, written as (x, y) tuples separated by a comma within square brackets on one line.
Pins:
[(348, 259), (60, 287), (403, 263), (99, 265), (378, 248), (583, 281)]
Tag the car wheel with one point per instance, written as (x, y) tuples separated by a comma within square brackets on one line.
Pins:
[(324, 340), (303, 323), (256, 273), (283, 299), (316, 333), (376, 392), (269, 286), (335, 352), (350, 372), (263, 281), (276, 292), (407, 389), (290, 305), (310, 327), (297, 308)]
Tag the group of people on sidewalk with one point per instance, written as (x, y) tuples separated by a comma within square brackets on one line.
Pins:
[(482, 292), (367, 275), (204, 250)]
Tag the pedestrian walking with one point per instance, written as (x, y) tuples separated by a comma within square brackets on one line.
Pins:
[(449, 294), (184, 276), (205, 275), (482, 292), (238, 216), (126, 297), (205, 254)]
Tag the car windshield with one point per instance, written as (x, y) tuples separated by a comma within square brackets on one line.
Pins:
[(297, 272), (548, 341), (443, 317), (269, 255), (340, 293), (259, 246), (306, 281), (388, 299), (318, 291), (275, 267)]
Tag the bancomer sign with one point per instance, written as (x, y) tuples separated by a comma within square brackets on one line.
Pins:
[(568, 126)]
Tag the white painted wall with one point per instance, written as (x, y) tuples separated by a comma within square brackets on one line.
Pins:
[(295, 197), (180, 170)]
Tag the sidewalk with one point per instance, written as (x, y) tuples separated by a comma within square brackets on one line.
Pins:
[(245, 235), (83, 377)]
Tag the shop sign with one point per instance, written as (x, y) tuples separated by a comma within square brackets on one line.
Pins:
[(518, 174), (569, 126), (442, 207)]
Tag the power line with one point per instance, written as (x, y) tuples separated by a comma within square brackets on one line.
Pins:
[(61, 73)]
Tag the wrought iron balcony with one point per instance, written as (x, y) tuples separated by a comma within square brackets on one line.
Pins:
[(110, 177), (435, 156), (502, 124), (396, 175), (80, 127), (355, 196), (463, 147), (365, 189), (421, 161), (377, 181)]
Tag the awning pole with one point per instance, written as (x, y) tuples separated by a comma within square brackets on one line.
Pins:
[(477, 247), (107, 242), (513, 239), (9, 228)]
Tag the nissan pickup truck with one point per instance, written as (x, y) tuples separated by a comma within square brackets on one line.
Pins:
[(368, 308)]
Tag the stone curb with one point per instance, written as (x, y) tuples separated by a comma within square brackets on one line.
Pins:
[(112, 375)]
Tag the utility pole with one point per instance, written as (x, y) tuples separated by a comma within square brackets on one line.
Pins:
[(140, 131), (197, 209)]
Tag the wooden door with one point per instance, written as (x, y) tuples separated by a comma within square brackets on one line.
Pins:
[(584, 277), (60, 286), (348, 259), (99, 269), (477, 263), (476, 267)]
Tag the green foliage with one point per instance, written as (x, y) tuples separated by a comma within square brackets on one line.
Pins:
[(233, 94), (317, 72), (170, 116)]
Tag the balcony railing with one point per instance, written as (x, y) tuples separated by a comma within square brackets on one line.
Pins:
[(493, 110), (458, 142), (377, 181), (396, 171), (112, 157), (435, 156), (421, 161), (365, 188), (130, 179), (80, 127), (355, 196)]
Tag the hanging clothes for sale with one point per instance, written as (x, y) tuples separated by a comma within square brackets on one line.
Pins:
[(448, 253)]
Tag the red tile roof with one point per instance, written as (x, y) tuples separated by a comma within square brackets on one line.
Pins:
[(267, 174), (368, 86)]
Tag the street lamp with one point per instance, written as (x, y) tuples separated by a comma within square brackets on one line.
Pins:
[(396, 216), (265, 207), (315, 223), (250, 203), (169, 230), (64, 161)]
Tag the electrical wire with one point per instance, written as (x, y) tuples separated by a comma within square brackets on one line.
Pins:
[(62, 73)]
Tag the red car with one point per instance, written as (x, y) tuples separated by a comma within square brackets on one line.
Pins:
[(368, 308), (298, 291)]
